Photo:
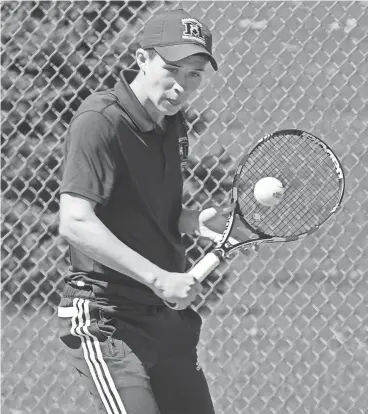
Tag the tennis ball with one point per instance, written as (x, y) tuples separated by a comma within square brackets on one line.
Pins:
[(269, 191)]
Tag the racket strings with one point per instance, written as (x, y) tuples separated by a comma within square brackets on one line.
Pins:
[(299, 212), (309, 176), (314, 190), (316, 208)]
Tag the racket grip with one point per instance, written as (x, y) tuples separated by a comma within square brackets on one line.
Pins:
[(205, 266), (200, 271)]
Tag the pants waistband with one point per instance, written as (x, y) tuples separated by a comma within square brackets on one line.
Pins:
[(71, 290), (111, 291)]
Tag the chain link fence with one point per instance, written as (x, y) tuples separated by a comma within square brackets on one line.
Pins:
[(285, 330)]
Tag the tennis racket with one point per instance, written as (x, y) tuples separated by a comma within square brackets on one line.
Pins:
[(313, 182)]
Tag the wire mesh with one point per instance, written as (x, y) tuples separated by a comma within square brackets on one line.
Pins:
[(285, 330)]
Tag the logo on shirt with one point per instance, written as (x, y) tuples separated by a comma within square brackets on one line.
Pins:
[(193, 31), (183, 150)]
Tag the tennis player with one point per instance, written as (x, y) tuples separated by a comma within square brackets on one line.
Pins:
[(121, 213)]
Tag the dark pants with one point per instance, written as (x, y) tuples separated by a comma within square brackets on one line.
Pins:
[(135, 359)]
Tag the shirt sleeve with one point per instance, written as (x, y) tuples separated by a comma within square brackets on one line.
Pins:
[(89, 166)]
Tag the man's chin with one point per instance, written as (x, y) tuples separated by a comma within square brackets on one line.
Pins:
[(168, 108), (170, 111)]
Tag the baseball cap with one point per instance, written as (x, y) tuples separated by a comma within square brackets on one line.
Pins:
[(176, 35)]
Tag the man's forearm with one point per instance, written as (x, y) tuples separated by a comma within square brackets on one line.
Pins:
[(188, 222), (95, 240)]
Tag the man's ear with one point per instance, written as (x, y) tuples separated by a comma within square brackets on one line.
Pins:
[(142, 57)]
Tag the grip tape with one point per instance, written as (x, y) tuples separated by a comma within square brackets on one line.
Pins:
[(205, 266)]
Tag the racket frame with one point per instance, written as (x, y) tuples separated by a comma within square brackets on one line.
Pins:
[(224, 248)]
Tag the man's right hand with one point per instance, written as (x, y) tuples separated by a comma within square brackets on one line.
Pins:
[(177, 288)]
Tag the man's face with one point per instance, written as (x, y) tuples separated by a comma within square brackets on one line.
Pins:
[(171, 84)]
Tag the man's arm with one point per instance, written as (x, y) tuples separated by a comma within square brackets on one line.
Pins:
[(80, 226), (83, 229)]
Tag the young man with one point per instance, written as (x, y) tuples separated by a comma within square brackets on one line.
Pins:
[(121, 212)]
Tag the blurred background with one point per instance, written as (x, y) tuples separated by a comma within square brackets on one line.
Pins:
[(285, 330)]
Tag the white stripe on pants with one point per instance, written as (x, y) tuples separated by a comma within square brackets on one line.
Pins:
[(94, 358)]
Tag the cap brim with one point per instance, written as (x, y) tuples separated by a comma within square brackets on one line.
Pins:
[(174, 53)]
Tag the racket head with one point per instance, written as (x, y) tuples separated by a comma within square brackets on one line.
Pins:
[(311, 174)]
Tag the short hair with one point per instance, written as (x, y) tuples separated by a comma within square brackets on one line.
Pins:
[(151, 52)]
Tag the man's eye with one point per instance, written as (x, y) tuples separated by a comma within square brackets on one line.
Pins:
[(172, 70), (196, 74)]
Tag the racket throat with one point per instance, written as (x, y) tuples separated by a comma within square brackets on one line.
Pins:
[(220, 253)]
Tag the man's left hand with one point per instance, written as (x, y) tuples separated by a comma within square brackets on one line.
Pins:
[(212, 222)]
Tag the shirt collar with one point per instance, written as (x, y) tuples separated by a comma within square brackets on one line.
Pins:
[(130, 102)]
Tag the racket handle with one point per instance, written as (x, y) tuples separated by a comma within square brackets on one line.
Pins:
[(200, 271), (205, 266)]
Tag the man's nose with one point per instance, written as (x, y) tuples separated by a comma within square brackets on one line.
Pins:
[(179, 88), (180, 84)]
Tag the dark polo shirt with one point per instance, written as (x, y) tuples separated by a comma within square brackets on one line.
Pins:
[(117, 156)]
